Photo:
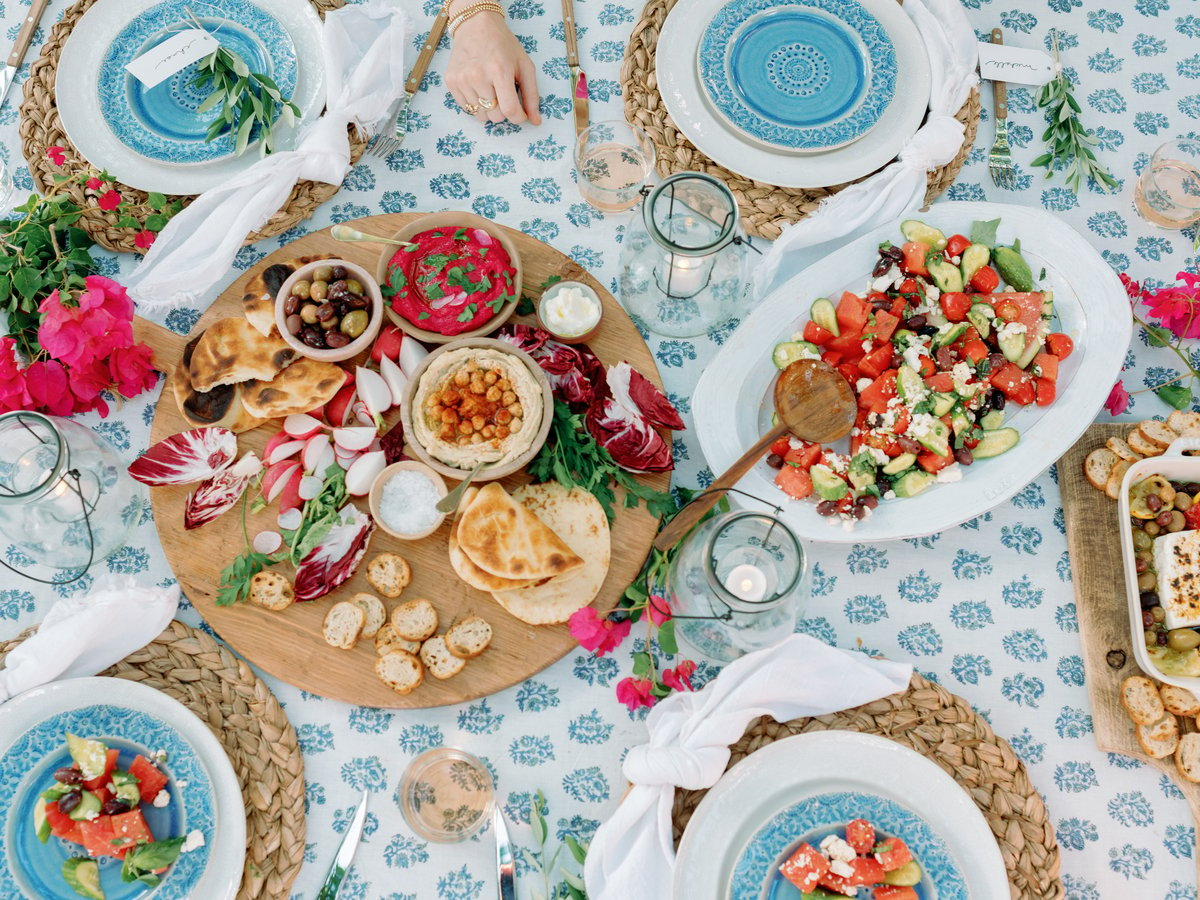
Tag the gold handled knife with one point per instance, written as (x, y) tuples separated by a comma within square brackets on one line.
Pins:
[(24, 39), (579, 90)]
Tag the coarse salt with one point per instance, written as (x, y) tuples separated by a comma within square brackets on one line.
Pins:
[(406, 505)]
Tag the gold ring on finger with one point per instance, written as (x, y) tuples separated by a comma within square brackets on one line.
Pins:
[(470, 108), (487, 104)]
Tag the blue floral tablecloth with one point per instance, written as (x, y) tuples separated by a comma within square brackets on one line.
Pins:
[(986, 609)]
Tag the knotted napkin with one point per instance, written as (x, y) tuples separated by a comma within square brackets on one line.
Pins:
[(899, 187), (363, 48), (632, 854), (87, 633)]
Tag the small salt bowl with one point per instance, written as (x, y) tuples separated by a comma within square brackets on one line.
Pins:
[(390, 507)]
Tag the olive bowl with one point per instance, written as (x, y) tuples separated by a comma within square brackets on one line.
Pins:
[(358, 344)]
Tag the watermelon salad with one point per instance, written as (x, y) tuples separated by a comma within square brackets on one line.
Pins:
[(97, 805), (949, 336), (839, 866)]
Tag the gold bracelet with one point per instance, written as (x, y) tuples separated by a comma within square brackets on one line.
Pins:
[(473, 10)]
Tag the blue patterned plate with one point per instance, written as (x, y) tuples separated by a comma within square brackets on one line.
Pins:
[(807, 76), (161, 123), (756, 875), (132, 719)]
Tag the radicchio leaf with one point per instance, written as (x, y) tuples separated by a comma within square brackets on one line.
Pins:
[(633, 390), (220, 493), (574, 371), (333, 561), (392, 444), (186, 457), (622, 417)]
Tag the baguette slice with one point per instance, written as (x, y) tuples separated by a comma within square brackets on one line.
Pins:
[(1115, 477), (469, 637), (1187, 757), (386, 640), (438, 659), (1177, 421), (1158, 433), (389, 573), (343, 624), (1122, 450), (415, 620), (272, 591), (401, 671), (1161, 739), (1098, 466), (376, 613), (1179, 701), (1188, 423), (1140, 444), (1141, 700)]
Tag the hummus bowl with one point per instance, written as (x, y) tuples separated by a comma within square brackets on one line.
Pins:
[(304, 276), (476, 400), (472, 299)]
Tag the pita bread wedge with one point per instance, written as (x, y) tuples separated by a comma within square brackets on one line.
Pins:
[(220, 406), (302, 386), (258, 302), (577, 517), (502, 537), (232, 350), (477, 577)]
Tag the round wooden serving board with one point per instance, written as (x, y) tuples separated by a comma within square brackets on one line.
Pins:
[(288, 644)]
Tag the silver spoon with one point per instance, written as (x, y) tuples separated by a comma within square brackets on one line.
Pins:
[(348, 234), (449, 503)]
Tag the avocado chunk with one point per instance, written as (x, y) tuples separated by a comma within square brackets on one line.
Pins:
[(90, 756), (1013, 268), (912, 483), (83, 877), (827, 483), (39, 820)]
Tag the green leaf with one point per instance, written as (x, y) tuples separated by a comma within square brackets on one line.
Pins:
[(1175, 395), (666, 637), (156, 222), (572, 879), (1158, 336), (27, 281), (243, 136), (536, 821), (128, 221), (641, 664), (984, 232), (577, 850), (209, 102), (156, 201)]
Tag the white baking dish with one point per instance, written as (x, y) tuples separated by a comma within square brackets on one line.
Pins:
[(1173, 466)]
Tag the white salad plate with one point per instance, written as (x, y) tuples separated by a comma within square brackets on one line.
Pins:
[(134, 718), (810, 785), (733, 400), (679, 81), (80, 106)]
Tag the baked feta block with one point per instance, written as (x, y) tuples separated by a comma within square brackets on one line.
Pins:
[(1177, 564)]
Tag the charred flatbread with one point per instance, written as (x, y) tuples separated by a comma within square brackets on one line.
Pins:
[(221, 406), (232, 351), (475, 576), (576, 516), (302, 386), (258, 301), (501, 536)]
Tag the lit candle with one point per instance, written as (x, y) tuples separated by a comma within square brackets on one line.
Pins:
[(687, 275), (746, 582)]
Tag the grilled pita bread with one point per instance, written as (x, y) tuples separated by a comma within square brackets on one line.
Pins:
[(232, 351), (302, 386), (475, 576), (504, 538), (258, 302), (576, 516), (220, 406)]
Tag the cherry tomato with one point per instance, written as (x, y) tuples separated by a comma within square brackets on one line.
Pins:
[(1009, 312), (956, 244), (955, 305), (985, 280), (1060, 345)]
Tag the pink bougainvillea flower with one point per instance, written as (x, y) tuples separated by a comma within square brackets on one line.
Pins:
[(14, 394), (1118, 399), (1132, 288), (658, 610), (597, 634), (132, 369), (635, 692), (94, 183), (48, 388), (109, 200), (144, 239), (56, 155), (680, 678), (75, 336), (104, 293)]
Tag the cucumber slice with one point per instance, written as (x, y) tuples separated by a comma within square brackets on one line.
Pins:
[(993, 443), (39, 820), (787, 352), (973, 259), (909, 385), (902, 337), (90, 756), (936, 439), (900, 463), (827, 483), (1026, 357), (83, 877), (88, 808), (943, 403), (960, 422), (948, 334), (992, 420), (980, 315), (912, 483), (946, 275), (916, 230), (130, 793), (824, 314), (1012, 344), (907, 875)]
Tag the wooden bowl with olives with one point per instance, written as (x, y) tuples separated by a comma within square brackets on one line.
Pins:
[(329, 310)]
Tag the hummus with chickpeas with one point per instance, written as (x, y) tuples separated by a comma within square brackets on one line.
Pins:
[(476, 405)]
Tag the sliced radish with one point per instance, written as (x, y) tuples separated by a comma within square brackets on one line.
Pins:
[(289, 520), (284, 451), (353, 438), (248, 466), (374, 392), (277, 476), (412, 354), (395, 378), (361, 475), (337, 410), (314, 449), (279, 437), (327, 459), (362, 415), (302, 426), (310, 486), (345, 458), (290, 498), (267, 541)]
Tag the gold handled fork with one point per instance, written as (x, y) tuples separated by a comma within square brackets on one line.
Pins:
[(389, 139), (1000, 162)]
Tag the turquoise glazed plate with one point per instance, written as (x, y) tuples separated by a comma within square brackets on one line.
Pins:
[(162, 123), (802, 77), (131, 718), (809, 786)]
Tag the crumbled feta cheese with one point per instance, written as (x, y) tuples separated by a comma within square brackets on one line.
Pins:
[(160, 756), (920, 425), (956, 260), (1011, 328), (848, 522), (878, 455), (91, 814), (932, 292), (889, 495), (888, 279), (162, 798), (912, 356), (866, 345), (950, 474), (797, 335), (837, 462), (962, 371), (194, 841), (836, 848), (837, 867), (862, 384)]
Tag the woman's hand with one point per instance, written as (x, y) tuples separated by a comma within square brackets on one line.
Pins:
[(487, 68)]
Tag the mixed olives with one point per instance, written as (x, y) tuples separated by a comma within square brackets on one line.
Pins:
[(327, 310), (1157, 507)]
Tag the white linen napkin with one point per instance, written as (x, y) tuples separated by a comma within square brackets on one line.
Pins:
[(87, 633), (900, 187), (632, 855), (363, 46)]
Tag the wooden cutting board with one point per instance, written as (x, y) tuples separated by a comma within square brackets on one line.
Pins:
[(288, 644), (1093, 539)]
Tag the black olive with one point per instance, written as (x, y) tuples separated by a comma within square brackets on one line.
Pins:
[(998, 400), (926, 331), (826, 508), (775, 461), (68, 802), (964, 456), (915, 322), (1148, 599), (274, 277), (882, 265), (68, 775), (114, 807)]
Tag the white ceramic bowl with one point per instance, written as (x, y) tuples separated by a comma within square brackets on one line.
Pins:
[(1173, 466), (588, 291), (376, 497), (356, 346)]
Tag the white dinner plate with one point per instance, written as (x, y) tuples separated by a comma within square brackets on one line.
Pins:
[(817, 782), (79, 103), (733, 403), (678, 77), (133, 718)]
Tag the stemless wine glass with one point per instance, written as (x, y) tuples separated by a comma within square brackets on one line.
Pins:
[(613, 160), (446, 795), (1168, 193), (8, 191)]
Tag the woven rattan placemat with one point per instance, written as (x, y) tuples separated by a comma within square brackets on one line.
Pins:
[(765, 208), (41, 127), (943, 727), (191, 667)]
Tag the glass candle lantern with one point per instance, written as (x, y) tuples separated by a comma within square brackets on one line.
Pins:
[(66, 499), (684, 258), (737, 584)]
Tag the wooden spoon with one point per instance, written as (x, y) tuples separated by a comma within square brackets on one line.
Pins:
[(814, 402)]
